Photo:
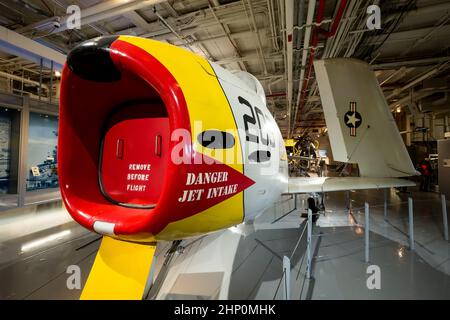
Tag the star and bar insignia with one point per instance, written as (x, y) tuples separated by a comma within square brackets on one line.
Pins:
[(352, 119)]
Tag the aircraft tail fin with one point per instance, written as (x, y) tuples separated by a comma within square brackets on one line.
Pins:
[(360, 124)]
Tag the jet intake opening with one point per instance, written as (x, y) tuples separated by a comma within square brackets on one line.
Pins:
[(134, 154), (114, 138)]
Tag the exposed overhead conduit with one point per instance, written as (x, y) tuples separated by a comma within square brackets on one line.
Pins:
[(21, 79), (308, 27), (289, 6), (313, 45), (95, 13)]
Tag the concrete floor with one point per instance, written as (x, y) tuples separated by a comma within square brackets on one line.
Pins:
[(430, 244), (38, 243), (31, 198), (339, 271)]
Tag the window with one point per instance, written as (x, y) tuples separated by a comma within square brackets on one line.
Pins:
[(5, 150), (42, 152)]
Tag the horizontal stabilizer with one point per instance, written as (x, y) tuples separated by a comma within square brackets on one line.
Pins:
[(361, 127), (329, 184)]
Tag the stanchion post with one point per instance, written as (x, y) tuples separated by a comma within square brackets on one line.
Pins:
[(287, 278), (385, 204), (366, 231), (411, 223), (349, 201), (308, 266), (444, 216)]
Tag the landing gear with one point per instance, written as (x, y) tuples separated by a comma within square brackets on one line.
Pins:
[(314, 209), (322, 202), (175, 247)]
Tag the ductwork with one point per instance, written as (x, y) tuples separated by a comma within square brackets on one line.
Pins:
[(309, 21), (96, 13), (289, 6)]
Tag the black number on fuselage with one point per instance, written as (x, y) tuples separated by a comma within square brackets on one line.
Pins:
[(258, 113), (267, 138), (249, 119)]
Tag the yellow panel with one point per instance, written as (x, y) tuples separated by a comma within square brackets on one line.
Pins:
[(204, 96), (206, 101), (290, 142), (120, 271), (218, 217)]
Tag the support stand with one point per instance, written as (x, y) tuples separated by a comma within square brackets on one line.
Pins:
[(287, 278), (309, 240), (411, 223), (366, 231), (444, 216)]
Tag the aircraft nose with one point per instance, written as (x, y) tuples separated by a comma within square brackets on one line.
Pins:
[(92, 61)]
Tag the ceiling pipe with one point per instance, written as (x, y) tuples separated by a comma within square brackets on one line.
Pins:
[(228, 14), (25, 80), (233, 36), (278, 94), (181, 37), (419, 62), (419, 79), (289, 11), (298, 36), (438, 26), (273, 32), (95, 13), (309, 21), (415, 96), (353, 13), (168, 26), (228, 36), (300, 14), (258, 38), (401, 71), (252, 57), (46, 23), (315, 39)]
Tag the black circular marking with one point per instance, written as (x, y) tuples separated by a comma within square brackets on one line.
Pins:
[(215, 139), (357, 116), (259, 156)]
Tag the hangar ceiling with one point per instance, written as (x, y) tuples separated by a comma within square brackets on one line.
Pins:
[(410, 53)]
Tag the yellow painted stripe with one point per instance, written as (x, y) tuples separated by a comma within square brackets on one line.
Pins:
[(207, 102), (120, 271)]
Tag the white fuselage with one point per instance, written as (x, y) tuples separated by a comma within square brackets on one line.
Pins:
[(263, 150)]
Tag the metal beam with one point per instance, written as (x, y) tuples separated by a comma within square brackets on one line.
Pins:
[(412, 63), (95, 13), (137, 20), (168, 7), (228, 36), (248, 57), (410, 36), (13, 43), (418, 95), (432, 72)]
